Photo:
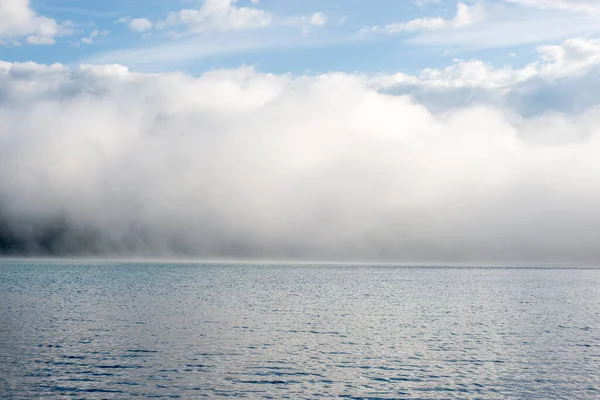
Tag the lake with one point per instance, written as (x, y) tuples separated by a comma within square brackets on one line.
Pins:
[(181, 330)]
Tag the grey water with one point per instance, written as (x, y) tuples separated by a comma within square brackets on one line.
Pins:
[(149, 330)]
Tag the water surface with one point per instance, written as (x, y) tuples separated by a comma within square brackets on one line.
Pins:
[(120, 330)]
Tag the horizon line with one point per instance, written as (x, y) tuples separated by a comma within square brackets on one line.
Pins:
[(275, 262)]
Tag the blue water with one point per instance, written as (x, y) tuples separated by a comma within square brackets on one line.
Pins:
[(98, 331)]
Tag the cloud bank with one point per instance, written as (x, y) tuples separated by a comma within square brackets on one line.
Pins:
[(562, 79), (236, 164)]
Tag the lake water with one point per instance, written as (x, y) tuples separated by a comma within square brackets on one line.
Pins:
[(102, 330)]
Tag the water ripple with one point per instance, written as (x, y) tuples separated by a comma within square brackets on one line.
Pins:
[(99, 331)]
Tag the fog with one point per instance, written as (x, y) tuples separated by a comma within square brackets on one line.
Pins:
[(236, 164)]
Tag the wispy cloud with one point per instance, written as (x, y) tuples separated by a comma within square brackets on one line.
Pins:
[(512, 28), (94, 35), (170, 53), (590, 6), (489, 25)]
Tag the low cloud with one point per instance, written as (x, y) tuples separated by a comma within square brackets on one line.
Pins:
[(236, 164), (562, 79), (591, 6)]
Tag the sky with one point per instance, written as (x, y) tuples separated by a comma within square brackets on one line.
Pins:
[(316, 36), (425, 131)]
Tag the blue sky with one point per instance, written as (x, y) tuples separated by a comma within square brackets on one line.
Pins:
[(353, 35)]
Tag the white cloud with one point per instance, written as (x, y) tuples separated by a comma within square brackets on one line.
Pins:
[(465, 16), (19, 20), (137, 24), (574, 57), (318, 19), (93, 36), (140, 24), (218, 16), (40, 39), (237, 163), (225, 16), (304, 22), (563, 79)]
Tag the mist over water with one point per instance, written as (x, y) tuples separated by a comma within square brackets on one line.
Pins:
[(236, 164), (299, 331)]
